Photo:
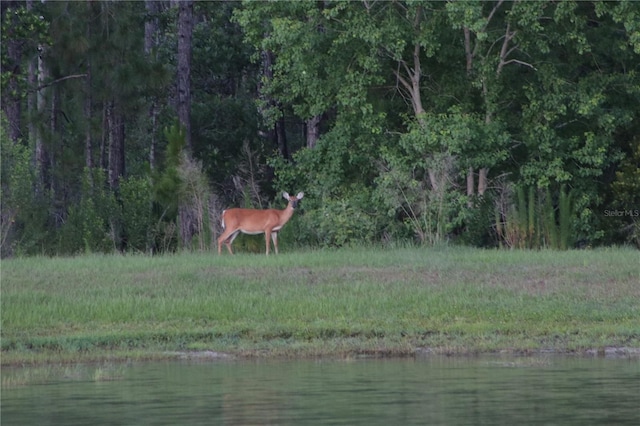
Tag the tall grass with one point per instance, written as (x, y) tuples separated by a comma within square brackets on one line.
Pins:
[(531, 221), (320, 302)]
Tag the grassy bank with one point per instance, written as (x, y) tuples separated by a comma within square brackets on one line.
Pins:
[(313, 303)]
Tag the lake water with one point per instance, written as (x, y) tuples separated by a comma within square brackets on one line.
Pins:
[(431, 391)]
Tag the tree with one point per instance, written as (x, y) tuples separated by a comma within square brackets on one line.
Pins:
[(185, 34), (12, 15), (151, 36), (489, 43)]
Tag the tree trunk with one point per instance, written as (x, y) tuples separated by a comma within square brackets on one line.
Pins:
[(185, 33), (410, 82), (151, 26), (32, 99), (409, 78), (11, 104), (47, 157), (115, 121), (471, 187), (153, 112), (37, 74), (313, 130), (32, 80), (281, 137), (41, 155), (105, 136), (470, 183), (88, 144), (482, 180)]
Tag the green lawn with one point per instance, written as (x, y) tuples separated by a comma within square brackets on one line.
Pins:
[(385, 302)]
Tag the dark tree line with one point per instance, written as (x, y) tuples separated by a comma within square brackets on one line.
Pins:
[(130, 125)]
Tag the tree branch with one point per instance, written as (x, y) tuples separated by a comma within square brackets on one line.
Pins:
[(484, 29), (401, 78), (508, 36), (51, 83), (527, 64), (467, 49), (403, 84), (493, 11)]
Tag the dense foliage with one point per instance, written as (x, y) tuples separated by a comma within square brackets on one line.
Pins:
[(129, 125)]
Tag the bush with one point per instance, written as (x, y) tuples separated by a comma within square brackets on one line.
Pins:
[(422, 197), (94, 224), (24, 213), (136, 199), (337, 223)]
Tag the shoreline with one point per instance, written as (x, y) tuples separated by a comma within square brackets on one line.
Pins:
[(209, 355)]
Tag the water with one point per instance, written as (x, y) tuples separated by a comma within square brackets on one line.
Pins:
[(432, 391)]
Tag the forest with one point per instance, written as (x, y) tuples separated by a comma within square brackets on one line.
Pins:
[(128, 126)]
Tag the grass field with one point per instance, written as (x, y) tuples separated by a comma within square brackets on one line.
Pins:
[(349, 302)]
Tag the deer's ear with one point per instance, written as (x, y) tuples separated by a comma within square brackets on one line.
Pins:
[(285, 195), (300, 195)]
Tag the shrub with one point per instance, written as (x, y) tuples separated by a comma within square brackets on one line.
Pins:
[(136, 199)]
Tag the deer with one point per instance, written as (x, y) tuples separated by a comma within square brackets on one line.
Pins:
[(256, 221)]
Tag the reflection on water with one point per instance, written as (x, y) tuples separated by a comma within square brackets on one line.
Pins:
[(451, 391)]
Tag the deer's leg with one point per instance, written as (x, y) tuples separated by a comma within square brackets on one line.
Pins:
[(227, 239), (267, 237), (222, 239), (231, 238), (274, 238)]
